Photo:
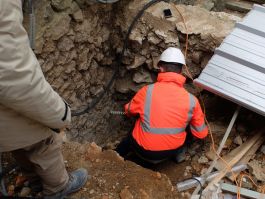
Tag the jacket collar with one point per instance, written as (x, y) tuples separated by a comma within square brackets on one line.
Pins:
[(171, 77)]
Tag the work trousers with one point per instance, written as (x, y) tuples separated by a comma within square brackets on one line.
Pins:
[(129, 144), (46, 161)]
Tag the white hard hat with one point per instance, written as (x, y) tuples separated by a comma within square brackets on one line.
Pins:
[(173, 55)]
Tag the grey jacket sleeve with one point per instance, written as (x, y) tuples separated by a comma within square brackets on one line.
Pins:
[(23, 87)]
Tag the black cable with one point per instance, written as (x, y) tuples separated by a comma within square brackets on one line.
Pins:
[(200, 192), (125, 44)]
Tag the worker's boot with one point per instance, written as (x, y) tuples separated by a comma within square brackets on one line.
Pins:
[(181, 154), (77, 179)]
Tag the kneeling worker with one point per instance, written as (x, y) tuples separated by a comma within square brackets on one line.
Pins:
[(165, 110)]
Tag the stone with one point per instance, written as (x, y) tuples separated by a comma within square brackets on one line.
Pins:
[(25, 191), (207, 4), (262, 149), (142, 76), (49, 46), (93, 147), (197, 57), (92, 191), (65, 44), (238, 6), (205, 60), (138, 61), (203, 171), (247, 184), (144, 195), (158, 175), (48, 13), (210, 154), (60, 5), (70, 67), (238, 140), (78, 16), (11, 190), (60, 25), (125, 85), (228, 143), (126, 194), (188, 168), (257, 169), (203, 160), (219, 5), (47, 65), (154, 39)]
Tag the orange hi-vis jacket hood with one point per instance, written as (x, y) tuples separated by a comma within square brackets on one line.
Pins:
[(165, 109)]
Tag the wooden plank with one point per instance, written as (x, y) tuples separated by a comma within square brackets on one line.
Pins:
[(220, 165), (247, 157), (220, 148), (243, 192), (235, 159)]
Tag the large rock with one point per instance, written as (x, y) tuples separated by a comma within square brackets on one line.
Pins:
[(153, 33), (207, 4), (239, 6), (142, 76)]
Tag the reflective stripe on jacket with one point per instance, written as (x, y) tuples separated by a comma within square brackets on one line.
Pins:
[(165, 109)]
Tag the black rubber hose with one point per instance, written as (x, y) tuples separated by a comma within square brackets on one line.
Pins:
[(125, 44)]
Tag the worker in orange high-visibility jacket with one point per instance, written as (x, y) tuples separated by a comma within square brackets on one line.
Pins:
[(165, 110)]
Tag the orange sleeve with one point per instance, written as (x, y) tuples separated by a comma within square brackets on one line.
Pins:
[(136, 105), (197, 125)]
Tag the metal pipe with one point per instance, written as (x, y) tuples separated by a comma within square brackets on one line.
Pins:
[(3, 188), (190, 183), (117, 113), (31, 24)]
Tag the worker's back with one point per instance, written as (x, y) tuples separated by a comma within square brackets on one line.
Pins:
[(165, 110)]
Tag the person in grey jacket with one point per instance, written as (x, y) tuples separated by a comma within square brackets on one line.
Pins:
[(30, 110)]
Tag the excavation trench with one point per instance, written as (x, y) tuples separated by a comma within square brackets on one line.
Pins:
[(79, 47), (79, 44)]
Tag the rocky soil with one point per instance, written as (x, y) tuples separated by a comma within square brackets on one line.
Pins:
[(78, 46)]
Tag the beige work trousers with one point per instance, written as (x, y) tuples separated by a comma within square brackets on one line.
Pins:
[(45, 159)]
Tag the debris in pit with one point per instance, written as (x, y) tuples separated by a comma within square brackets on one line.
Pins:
[(238, 140), (203, 160), (258, 169)]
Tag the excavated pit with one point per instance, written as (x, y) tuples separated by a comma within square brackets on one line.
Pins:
[(78, 45)]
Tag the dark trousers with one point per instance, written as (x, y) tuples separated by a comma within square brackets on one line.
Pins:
[(129, 144)]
